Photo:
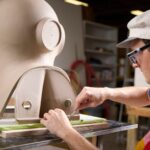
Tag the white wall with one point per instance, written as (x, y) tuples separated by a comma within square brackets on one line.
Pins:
[(70, 17), (139, 79)]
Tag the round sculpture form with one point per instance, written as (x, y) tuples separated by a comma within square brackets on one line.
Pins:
[(30, 36)]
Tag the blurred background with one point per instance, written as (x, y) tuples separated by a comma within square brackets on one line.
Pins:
[(90, 57)]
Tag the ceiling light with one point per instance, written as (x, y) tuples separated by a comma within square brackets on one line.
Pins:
[(76, 2), (136, 12)]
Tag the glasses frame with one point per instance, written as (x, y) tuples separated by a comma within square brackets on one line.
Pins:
[(132, 55)]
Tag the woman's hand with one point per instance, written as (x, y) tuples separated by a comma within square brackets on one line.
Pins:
[(57, 122), (90, 97)]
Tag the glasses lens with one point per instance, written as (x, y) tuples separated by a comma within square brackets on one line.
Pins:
[(132, 59), (133, 56)]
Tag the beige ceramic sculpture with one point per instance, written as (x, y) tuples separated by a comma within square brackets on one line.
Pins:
[(30, 37)]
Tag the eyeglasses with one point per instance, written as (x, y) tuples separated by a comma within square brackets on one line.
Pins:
[(133, 55)]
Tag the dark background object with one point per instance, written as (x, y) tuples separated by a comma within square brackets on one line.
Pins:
[(114, 12)]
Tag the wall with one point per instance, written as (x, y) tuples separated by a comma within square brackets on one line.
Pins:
[(70, 17), (139, 79)]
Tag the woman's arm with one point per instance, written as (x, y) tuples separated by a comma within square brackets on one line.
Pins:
[(57, 123), (92, 97)]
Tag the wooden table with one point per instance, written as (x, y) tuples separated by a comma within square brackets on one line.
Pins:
[(44, 140)]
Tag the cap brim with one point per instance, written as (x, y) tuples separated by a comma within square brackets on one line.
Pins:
[(126, 43)]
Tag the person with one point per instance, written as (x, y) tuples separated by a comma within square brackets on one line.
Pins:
[(139, 44)]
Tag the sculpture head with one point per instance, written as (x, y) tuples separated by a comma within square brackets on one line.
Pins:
[(30, 36)]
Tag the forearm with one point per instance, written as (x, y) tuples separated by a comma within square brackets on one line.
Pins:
[(77, 142), (135, 96)]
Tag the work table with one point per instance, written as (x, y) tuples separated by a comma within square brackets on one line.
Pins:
[(48, 139)]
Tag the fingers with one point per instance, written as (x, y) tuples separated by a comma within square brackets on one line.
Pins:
[(61, 113), (52, 113), (44, 122), (59, 110), (84, 99), (45, 119), (46, 116), (85, 104)]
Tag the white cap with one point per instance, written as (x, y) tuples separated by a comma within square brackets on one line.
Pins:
[(139, 28)]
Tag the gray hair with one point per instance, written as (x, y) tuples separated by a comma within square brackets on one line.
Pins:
[(146, 41)]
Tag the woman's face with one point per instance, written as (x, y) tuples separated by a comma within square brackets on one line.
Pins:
[(143, 59)]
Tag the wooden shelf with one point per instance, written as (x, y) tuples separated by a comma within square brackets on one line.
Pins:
[(99, 25), (98, 52), (102, 66), (98, 38)]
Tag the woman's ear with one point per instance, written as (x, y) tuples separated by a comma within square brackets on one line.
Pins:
[(50, 35)]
